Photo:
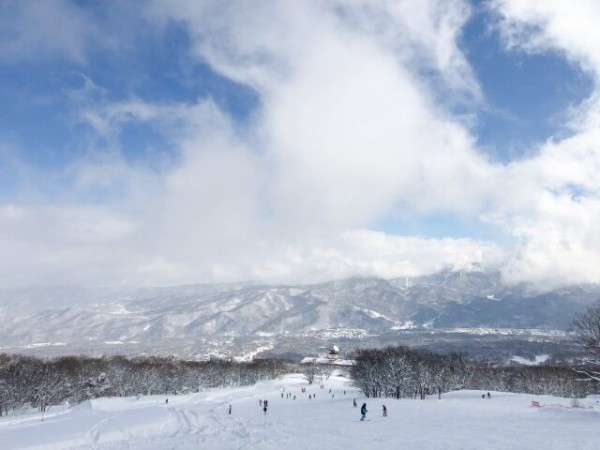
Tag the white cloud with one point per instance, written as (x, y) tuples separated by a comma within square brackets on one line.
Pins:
[(346, 119), (553, 25), (57, 245), (347, 134), (551, 201)]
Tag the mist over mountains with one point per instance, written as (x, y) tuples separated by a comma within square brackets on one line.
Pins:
[(145, 318)]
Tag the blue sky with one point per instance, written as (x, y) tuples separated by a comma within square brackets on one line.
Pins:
[(525, 95), (39, 100), (194, 142)]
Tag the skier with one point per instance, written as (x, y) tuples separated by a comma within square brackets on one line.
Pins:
[(363, 412), (229, 409), (384, 411), (489, 395), (354, 403), (265, 410)]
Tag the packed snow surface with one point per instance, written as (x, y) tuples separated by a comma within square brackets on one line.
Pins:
[(460, 420), (539, 359)]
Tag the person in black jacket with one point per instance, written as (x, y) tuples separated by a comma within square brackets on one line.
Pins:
[(363, 411)]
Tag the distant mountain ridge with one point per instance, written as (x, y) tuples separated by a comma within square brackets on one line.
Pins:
[(209, 311)]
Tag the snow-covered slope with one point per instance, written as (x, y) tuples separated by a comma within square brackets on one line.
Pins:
[(460, 420)]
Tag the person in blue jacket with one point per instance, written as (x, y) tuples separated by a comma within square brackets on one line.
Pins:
[(363, 411)]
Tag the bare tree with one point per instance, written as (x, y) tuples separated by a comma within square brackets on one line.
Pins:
[(587, 332), (310, 371)]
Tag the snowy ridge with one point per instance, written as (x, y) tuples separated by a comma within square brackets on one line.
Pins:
[(250, 355), (539, 359), (336, 333), (509, 331), (350, 308)]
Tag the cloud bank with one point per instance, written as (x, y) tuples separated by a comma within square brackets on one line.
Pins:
[(354, 128)]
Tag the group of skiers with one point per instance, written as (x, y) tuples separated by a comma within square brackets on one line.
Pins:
[(363, 409)]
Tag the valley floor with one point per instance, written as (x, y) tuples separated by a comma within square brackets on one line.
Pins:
[(460, 420)]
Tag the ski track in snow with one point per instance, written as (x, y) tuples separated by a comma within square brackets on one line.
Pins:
[(460, 420)]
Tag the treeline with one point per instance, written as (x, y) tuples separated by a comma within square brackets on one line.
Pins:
[(401, 372), (560, 381), (33, 382)]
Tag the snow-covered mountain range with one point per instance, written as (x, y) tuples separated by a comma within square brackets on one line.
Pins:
[(196, 313)]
